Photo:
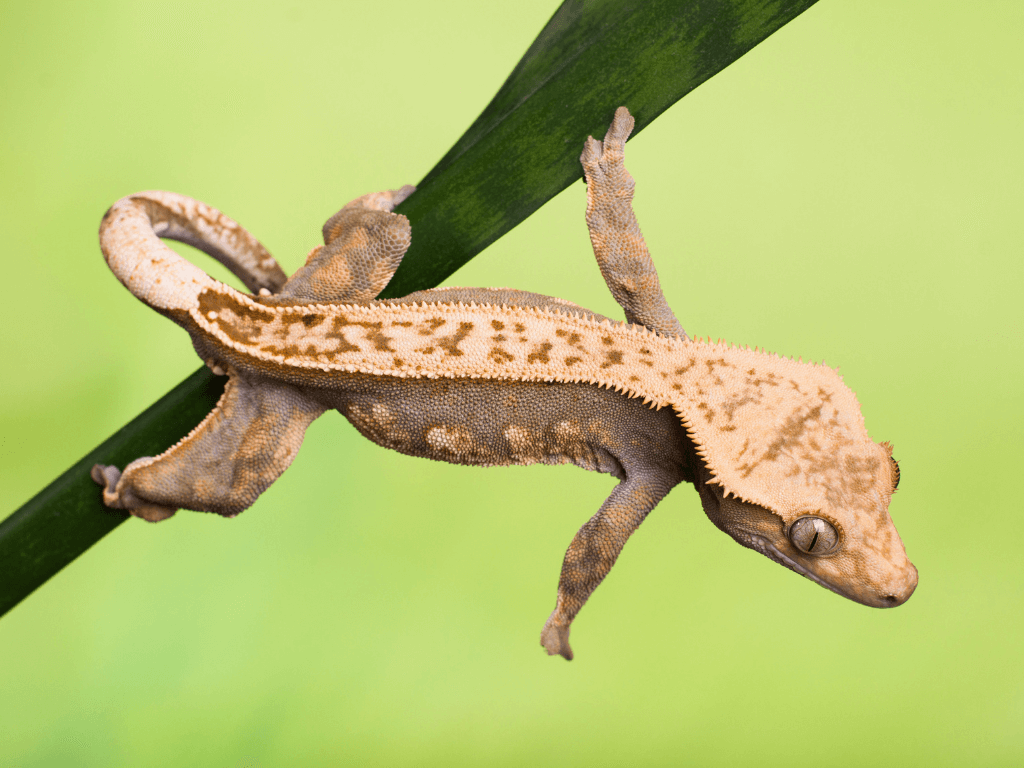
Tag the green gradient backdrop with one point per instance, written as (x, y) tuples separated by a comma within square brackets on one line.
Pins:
[(849, 191)]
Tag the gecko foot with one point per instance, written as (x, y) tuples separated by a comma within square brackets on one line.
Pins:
[(555, 639), (604, 159), (387, 200), (108, 476)]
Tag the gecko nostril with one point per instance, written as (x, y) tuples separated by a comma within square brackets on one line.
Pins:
[(890, 600)]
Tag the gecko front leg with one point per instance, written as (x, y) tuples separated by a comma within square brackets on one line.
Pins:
[(597, 545), (630, 274)]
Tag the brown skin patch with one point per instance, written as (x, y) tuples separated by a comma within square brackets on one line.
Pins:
[(712, 364), (757, 382), (432, 325), (497, 325), (860, 473), (287, 351), (450, 344), (374, 332), (500, 355), (312, 321), (245, 325), (519, 327), (344, 345), (570, 361), (709, 412), (732, 406), (789, 436), (212, 301), (540, 355), (612, 357)]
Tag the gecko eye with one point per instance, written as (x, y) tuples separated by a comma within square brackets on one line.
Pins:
[(813, 535)]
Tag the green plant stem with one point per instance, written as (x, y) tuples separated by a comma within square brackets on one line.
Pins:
[(591, 57)]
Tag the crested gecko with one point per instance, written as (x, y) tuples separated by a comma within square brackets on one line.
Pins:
[(776, 449)]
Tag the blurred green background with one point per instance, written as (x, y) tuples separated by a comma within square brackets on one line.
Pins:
[(848, 191)]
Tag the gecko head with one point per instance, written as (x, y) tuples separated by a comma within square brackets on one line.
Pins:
[(845, 542)]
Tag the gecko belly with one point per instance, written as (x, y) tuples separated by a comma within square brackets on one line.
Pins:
[(488, 422)]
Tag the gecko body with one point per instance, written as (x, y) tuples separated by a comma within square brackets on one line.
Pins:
[(776, 448)]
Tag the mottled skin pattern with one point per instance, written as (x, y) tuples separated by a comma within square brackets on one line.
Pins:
[(777, 449)]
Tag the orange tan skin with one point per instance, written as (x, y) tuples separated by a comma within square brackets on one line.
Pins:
[(777, 449)]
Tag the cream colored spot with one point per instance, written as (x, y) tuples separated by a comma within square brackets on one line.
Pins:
[(517, 437), (568, 430), (264, 292), (450, 440), (379, 423), (523, 445), (383, 415), (212, 315)]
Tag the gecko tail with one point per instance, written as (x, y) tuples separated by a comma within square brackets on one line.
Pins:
[(130, 235)]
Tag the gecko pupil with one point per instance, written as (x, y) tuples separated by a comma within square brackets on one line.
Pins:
[(810, 547)]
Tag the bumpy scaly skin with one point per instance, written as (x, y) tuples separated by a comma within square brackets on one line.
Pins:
[(495, 376)]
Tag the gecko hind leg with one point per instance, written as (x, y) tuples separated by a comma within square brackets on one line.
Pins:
[(596, 547), (615, 233), (364, 243), (225, 463)]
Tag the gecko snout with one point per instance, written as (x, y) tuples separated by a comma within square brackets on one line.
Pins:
[(899, 592)]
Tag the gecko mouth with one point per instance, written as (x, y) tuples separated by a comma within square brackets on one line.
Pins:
[(766, 548)]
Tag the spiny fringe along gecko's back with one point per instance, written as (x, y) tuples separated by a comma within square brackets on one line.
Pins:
[(777, 449)]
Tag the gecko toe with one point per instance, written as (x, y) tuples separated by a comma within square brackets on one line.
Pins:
[(619, 130), (592, 150), (107, 476)]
